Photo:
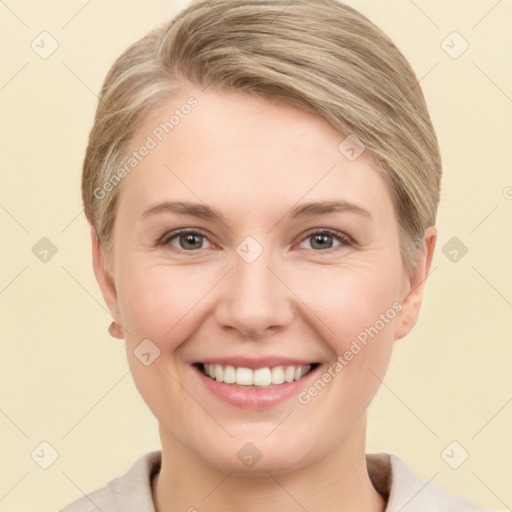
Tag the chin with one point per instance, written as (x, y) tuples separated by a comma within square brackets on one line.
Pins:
[(257, 455)]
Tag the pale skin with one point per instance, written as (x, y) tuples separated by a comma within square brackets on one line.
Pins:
[(254, 161)]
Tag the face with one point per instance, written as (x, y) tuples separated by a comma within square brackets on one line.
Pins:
[(248, 247)]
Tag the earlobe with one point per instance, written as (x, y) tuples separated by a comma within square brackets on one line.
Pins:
[(411, 303), (104, 279)]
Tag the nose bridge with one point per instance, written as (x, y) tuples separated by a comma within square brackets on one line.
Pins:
[(253, 298)]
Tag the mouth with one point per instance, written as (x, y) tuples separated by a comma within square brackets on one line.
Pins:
[(256, 378)]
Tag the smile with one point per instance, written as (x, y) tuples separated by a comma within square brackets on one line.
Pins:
[(257, 377)]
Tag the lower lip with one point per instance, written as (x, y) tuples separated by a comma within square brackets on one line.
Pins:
[(255, 398)]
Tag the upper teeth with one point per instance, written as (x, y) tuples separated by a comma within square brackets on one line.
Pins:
[(258, 377)]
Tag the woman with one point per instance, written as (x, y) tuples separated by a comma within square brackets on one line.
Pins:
[(261, 181)]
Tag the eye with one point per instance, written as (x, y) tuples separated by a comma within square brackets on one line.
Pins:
[(325, 239), (191, 240), (185, 239)]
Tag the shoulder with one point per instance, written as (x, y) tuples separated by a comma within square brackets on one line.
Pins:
[(130, 492), (406, 492)]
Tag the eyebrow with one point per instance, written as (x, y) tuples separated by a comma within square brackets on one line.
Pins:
[(301, 211), (323, 207)]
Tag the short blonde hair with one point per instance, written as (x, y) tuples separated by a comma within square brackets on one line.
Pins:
[(318, 55)]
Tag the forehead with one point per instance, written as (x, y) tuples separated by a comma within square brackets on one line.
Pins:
[(236, 150)]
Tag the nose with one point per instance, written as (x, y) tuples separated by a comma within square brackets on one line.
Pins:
[(255, 300)]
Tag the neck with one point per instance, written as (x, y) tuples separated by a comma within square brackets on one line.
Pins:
[(338, 482)]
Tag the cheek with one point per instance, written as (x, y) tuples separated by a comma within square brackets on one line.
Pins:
[(350, 302), (162, 304), (159, 301), (356, 315)]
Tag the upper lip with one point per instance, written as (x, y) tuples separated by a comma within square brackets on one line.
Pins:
[(256, 362)]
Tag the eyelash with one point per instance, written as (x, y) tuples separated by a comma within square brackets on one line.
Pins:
[(344, 240)]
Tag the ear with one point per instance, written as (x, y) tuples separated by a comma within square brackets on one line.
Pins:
[(105, 281), (415, 285)]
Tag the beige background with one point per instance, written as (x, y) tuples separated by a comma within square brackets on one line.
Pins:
[(66, 382)]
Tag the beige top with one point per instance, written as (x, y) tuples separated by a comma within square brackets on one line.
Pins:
[(391, 477)]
